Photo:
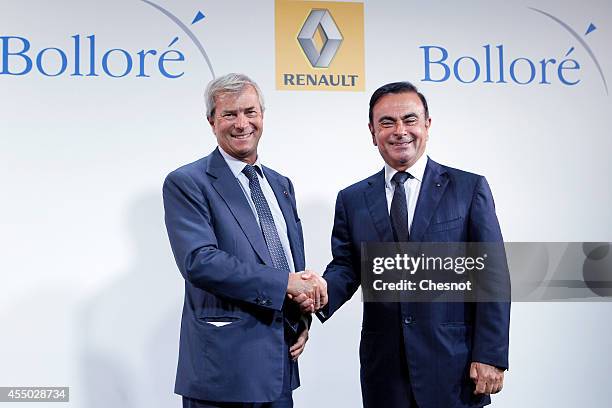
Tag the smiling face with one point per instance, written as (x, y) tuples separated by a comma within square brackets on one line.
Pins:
[(238, 123), (400, 129)]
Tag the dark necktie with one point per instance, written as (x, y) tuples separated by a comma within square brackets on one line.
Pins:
[(266, 221), (399, 207)]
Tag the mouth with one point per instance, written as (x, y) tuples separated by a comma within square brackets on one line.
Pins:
[(242, 136), (402, 143)]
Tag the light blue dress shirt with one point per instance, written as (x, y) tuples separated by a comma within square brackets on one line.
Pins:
[(236, 167)]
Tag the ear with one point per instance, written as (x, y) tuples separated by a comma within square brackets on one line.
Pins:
[(427, 126), (373, 134)]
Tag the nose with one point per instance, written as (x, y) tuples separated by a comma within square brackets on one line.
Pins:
[(241, 121), (400, 128)]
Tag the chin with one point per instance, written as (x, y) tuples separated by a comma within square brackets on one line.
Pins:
[(244, 148), (404, 160)]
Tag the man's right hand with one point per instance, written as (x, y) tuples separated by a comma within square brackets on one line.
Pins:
[(307, 289)]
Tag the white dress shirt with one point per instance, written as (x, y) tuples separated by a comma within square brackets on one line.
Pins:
[(236, 167), (412, 186)]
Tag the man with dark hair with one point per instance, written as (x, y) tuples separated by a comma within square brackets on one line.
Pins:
[(237, 240), (422, 355), (397, 88)]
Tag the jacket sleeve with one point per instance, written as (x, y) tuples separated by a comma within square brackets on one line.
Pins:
[(201, 262), (492, 319), (296, 320), (342, 274)]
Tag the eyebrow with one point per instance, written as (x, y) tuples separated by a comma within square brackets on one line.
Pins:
[(392, 119), (250, 108)]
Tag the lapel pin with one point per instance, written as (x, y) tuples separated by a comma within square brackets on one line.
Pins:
[(438, 185), (285, 193)]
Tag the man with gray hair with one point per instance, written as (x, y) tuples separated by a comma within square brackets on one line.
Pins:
[(237, 240)]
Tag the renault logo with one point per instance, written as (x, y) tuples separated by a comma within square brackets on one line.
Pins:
[(319, 45), (320, 26)]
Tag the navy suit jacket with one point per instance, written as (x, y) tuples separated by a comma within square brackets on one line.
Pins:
[(229, 279), (438, 340)]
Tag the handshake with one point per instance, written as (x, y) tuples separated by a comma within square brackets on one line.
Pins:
[(307, 289)]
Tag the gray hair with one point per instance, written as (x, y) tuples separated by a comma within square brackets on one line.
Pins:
[(229, 83)]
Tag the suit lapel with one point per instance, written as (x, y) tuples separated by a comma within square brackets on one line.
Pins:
[(283, 198), (434, 184), (229, 189), (376, 199)]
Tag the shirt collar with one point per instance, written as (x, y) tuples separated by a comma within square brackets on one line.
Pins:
[(236, 165), (417, 170)]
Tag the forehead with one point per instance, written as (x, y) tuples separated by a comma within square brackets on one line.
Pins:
[(398, 105), (247, 98)]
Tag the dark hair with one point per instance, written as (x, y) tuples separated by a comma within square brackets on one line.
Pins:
[(396, 88)]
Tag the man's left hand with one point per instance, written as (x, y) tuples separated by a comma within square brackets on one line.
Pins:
[(298, 346), (487, 378)]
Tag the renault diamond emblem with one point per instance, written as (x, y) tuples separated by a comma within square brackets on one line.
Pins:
[(321, 21)]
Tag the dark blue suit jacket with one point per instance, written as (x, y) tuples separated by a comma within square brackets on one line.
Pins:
[(229, 278), (437, 340)]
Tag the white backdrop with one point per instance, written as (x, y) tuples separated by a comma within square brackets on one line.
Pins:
[(90, 296)]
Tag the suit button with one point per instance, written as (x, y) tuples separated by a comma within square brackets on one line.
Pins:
[(279, 319), (408, 320)]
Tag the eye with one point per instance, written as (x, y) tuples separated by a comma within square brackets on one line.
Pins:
[(251, 114), (386, 123)]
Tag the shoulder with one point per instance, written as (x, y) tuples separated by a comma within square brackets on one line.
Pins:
[(193, 170), (273, 173), (456, 175), (362, 185), (278, 177), (465, 183), (189, 177)]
